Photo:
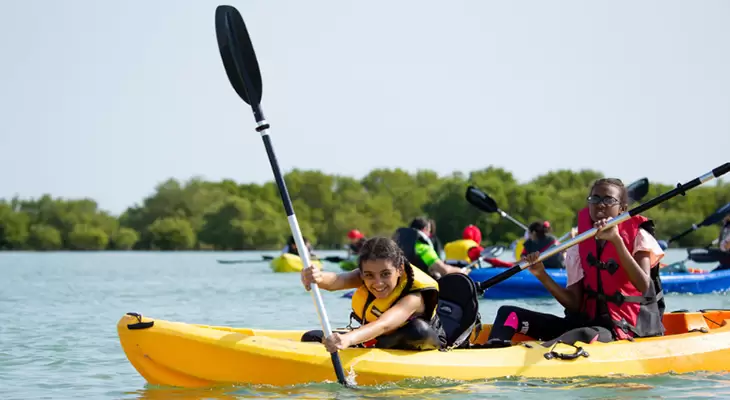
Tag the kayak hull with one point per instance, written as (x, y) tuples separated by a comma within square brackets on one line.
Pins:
[(524, 284), (290, 263), (349, 264), (188, 355)]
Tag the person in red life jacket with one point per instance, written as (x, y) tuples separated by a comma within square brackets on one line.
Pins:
[(466, 250), (540, 240), (473, 233), (613, 290), (356, 241)]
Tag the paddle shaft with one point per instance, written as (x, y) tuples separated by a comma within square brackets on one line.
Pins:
[(712, 219), (683, 234), (263, 129), (509, 217), (680, 189), (241, 78)]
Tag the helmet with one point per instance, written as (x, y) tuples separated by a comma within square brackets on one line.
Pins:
[(473, 233), (355, 234)]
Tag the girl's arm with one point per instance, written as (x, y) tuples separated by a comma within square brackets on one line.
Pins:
[(330, 280), (390, 320), (570, 297), (636, 266)]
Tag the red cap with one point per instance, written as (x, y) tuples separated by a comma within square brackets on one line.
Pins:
[(473, 233), (355, 234), (546, 224)]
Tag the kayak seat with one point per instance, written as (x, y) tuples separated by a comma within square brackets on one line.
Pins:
[(458, 309)]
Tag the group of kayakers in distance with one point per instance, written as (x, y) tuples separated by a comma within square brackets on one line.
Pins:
[(613, 288)]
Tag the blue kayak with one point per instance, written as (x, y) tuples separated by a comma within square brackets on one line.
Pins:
[(524, 284)]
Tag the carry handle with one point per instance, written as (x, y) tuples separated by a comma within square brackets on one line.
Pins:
[(579, 351)]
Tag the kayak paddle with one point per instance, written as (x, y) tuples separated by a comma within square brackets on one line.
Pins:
[(488, 252), (637, 190), (237, 261), (332, 259), (702, 256), (680, 189), (487, 204), (242, 68), (716, 217)]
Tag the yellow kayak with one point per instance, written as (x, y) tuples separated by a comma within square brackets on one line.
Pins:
[(290, 263), (187, 355), (519, 246)]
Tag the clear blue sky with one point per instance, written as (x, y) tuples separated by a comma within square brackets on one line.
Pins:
[(105, 99)]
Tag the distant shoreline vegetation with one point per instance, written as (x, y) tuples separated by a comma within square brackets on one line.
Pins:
[(225, 215)]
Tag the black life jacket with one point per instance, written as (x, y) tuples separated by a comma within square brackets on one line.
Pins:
[(406, 238)]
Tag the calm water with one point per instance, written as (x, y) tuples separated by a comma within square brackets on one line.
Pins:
[(58, 315)]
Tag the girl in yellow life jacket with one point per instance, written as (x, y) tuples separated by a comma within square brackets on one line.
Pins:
[(394, 303)]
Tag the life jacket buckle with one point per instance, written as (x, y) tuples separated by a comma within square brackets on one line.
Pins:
[(617, 298), (353, 316), (610, 266)]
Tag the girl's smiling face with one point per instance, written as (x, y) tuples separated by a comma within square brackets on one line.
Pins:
[(380, 276)]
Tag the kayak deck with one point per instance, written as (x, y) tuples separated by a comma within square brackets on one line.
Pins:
[(189, 355)]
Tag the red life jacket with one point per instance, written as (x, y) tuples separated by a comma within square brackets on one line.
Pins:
[(609, 297)]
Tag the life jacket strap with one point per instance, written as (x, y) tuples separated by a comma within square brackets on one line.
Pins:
[(610, 266), (619, 298)]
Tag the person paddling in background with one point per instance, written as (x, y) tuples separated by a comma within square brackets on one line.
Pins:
[(613, 291), (356, 241), (291, 247), (394, 303), (437, 246), (723, 241), (415, 242), (540, 240), (468, 249)]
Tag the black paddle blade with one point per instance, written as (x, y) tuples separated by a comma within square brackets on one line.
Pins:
[(480, 200), (638, 189), (239, 58), (708, 256), (717, 216)]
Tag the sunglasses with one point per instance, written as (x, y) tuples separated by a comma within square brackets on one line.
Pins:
[(607, 200)]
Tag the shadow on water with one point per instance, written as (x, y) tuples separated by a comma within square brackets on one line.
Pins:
[(687, 386)]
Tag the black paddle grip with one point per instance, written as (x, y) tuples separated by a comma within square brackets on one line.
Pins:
[(499, 278), (338, 368), (681, 235), (721, 170)]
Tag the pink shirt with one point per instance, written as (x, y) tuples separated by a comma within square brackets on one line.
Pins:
[(643, 242)]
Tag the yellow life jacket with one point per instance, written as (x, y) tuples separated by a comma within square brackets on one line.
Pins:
[(365, 304), (458, 250)]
